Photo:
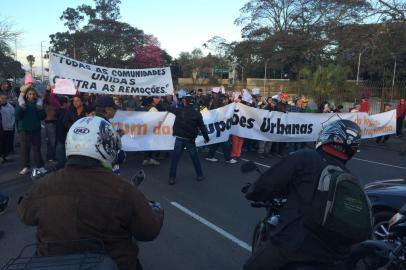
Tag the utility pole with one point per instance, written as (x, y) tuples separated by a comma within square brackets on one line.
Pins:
[(393, 78), (42, 64), (266, 63)]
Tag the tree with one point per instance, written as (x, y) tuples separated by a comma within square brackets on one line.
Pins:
[(96, 36), (296, 33), (149, 54), (8, 66), (31, 61), (326, 82)]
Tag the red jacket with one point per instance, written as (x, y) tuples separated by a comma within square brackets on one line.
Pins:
[(401, 111), (364, 106)]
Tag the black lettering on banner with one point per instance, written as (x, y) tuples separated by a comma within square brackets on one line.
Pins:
[(250, 123), (105, 87), (93, 86), (132, 81), (243, 121), (235, 119), (121, 89), (229, 123), (220, 127), (265, 125), (85, 84), (68, 62), (273, 126), (280, 128), (114, 72), (61, 60), (296, 129), (163, 72), (303, 129), (288, 129), (78, 82), (310, 129), (210, 128)]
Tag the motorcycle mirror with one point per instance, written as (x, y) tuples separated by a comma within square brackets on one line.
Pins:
[(248, 166), (138, 178), (402, 210)]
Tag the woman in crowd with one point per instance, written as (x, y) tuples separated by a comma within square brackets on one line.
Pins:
[(29, 113), (7, 127)]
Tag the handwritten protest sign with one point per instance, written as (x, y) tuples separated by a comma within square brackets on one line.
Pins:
[(64, 87)]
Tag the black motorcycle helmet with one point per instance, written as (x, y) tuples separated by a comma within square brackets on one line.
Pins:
[(343, 135)]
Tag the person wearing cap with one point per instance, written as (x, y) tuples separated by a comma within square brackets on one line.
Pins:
[(188, 123), (105, 107)]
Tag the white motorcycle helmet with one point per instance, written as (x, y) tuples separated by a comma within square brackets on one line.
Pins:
[(94, 137)]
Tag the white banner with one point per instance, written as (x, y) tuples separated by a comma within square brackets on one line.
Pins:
[(153, 130), (112, 81)]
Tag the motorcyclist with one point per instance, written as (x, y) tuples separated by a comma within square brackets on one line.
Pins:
[(296, 178), (86, 200)]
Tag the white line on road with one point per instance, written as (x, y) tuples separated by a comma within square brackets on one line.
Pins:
[(379, 163), (213, 227), (359, 159), (244, 159)]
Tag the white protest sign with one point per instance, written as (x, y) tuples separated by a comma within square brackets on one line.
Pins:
[(153, 131), (114, 81), (64, 87)]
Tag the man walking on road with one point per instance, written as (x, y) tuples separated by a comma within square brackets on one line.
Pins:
[(187, 124)]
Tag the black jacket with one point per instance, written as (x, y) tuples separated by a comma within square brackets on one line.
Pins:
[(71, 117), (296, 178), (188, 122)]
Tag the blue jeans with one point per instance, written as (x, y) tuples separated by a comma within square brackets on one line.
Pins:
[(50, 133), (60, 155), (226, 150), (190, 146)]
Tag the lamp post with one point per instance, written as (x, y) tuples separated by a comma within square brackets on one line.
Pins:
[(359, 62), (266, 63), (393, 77)]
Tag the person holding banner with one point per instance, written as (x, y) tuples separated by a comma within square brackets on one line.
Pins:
[(187, 124), (400, 116)]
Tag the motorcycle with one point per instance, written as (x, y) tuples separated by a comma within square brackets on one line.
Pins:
[(264, 227), (95, 259), (386, 254)]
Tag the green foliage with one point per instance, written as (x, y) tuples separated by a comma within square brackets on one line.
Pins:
[(326, 82), (102, 40)]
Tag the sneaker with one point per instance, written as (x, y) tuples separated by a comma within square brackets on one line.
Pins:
[(200, 178), (145, 162), (212, 159), (231, 161), (171, 181), (153, 162), (24, 171)]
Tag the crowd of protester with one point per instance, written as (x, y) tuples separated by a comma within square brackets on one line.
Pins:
[(25, 112)]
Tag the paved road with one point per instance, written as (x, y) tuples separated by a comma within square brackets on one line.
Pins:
[(208, 224)]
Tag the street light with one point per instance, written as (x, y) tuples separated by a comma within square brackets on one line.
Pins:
[(266, 63), (394, 75), (359, 62)]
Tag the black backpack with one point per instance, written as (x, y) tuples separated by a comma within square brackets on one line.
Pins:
[(347, 211)]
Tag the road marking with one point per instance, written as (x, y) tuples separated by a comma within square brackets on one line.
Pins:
[(379, 163), (212, 226), (244, 159), (359, 159)]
